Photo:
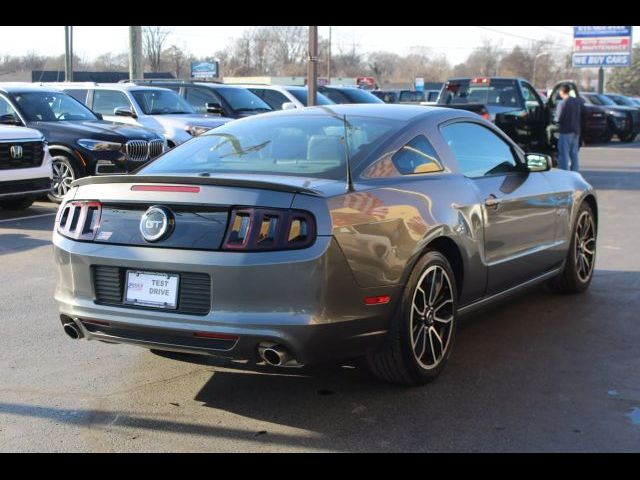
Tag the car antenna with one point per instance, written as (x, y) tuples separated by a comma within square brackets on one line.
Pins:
[(347, 156)]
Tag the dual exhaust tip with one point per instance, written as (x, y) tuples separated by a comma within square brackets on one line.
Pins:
[(272, 354)]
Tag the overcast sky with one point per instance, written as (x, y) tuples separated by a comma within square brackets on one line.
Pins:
[(455, 42)]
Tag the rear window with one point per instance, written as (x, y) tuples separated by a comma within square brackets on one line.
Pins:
[(409, 96), (497, 93)]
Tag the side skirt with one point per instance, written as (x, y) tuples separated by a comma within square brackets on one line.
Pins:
[(471, 307)]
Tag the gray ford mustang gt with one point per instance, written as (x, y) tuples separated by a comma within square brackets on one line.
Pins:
[(304, 236)]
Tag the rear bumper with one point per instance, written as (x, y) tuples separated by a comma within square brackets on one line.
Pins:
[(306, 300)]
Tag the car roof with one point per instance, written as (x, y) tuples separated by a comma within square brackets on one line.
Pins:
[(390, 111), (106, 86), (21, 87)]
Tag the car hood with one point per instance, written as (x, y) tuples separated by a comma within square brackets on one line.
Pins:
[(96, 129), (183, 120), (9, 133)]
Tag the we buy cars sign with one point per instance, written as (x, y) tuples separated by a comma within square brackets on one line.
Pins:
[(601, 46)]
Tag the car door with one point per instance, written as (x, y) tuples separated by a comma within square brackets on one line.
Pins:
[(519, 210), (534, 120)]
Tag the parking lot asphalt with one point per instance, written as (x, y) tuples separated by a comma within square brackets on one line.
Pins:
[(542, 372)]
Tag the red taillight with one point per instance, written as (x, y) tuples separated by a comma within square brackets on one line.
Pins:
[(486, 116), (259, 229), (378, 300), (79, 219)]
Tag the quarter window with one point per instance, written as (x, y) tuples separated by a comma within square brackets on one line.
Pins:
[(106, 101), (478, 150), (417, 156)]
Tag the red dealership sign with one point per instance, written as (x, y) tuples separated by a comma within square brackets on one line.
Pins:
[(602, 44)]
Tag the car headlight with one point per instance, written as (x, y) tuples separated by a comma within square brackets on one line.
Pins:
[(617, 114), (196, 130), (99, 145)]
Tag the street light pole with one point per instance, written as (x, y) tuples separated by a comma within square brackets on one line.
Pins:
[(68, 54), (535, 62), (135, 53), (312, 66)]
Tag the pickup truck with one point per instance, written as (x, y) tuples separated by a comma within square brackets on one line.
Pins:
[(518, 109)]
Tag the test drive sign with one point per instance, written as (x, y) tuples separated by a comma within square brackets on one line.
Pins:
[(601, 46)]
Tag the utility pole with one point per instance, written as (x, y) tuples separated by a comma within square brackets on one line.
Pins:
[(136, 67), (312, 66), (329, 59), (68, 54), (601, 80)]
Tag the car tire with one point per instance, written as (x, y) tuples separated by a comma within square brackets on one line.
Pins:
[(579, 266), (412, 354), (18, 204), (628, 138), (65, 171)]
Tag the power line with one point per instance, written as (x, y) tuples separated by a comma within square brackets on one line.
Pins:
[(557, 31)]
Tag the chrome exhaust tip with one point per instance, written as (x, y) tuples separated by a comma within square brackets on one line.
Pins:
[(70, 328), (274, 355)]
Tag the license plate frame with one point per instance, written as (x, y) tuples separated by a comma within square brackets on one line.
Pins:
[(143, 297)]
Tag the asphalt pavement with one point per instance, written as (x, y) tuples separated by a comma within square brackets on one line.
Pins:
[(542, 372)]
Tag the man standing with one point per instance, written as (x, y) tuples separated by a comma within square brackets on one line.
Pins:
[(568, 116)]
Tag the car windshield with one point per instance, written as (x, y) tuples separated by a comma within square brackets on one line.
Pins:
[(310, 145), (498, 93), (161, 102), (301, 96), (242, 100), (51, 107), (597, 99)]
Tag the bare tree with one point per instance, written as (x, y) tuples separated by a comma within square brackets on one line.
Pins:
[(153, 39)]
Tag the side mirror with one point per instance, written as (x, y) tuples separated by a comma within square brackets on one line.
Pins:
[(288, 106), (214, 107), (124, 112), (538, 162), (10, 119)]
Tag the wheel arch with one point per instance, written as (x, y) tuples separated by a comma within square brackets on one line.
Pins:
[(450, 249), (53, 148), (590, 200)]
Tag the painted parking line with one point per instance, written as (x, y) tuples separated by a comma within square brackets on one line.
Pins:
[(52, 214)]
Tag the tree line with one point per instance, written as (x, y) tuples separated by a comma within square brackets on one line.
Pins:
[(282, 51)]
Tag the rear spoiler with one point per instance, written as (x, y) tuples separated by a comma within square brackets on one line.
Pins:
[(172, 180)]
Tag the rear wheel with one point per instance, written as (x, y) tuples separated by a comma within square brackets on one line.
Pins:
[(18, 204), (581, 258), (628, 138), (421, 336)]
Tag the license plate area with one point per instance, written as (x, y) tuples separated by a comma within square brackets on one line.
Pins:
[(152, 289)]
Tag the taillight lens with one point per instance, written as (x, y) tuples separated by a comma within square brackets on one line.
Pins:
[(79, 220), (258, 229)]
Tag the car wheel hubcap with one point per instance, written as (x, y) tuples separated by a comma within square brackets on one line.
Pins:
[(62, 177), (585, 246), (432, 316)]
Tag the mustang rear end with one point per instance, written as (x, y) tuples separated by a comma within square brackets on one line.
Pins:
[(229, 267)]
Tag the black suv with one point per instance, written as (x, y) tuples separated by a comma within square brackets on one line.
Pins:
[(210, 97), (622, 120), (79, 141)]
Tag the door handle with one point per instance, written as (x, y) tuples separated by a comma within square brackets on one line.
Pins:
[(492, 201)]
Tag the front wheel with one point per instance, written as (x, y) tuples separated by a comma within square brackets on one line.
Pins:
[(581, 257), (64, 173), (421, 336)]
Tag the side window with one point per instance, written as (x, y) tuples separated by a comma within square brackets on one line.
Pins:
[(274, 99), (530, 98), (199, 97), (105, 101), (6, 108), (417, 156), (335, 96), (80, 95), (478, 150)]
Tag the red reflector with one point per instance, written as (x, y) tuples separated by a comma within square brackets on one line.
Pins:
[(217, 336), (165, 188), (96, 322), (379, 300)]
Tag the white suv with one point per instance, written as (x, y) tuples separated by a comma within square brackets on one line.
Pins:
[(159, 109), (25, 167)]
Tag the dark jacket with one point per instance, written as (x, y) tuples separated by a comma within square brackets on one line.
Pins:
[(570, 115)]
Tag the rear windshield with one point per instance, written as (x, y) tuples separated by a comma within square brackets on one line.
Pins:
[(295, 145), (357, 95), (498, 93), (597, 99)]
